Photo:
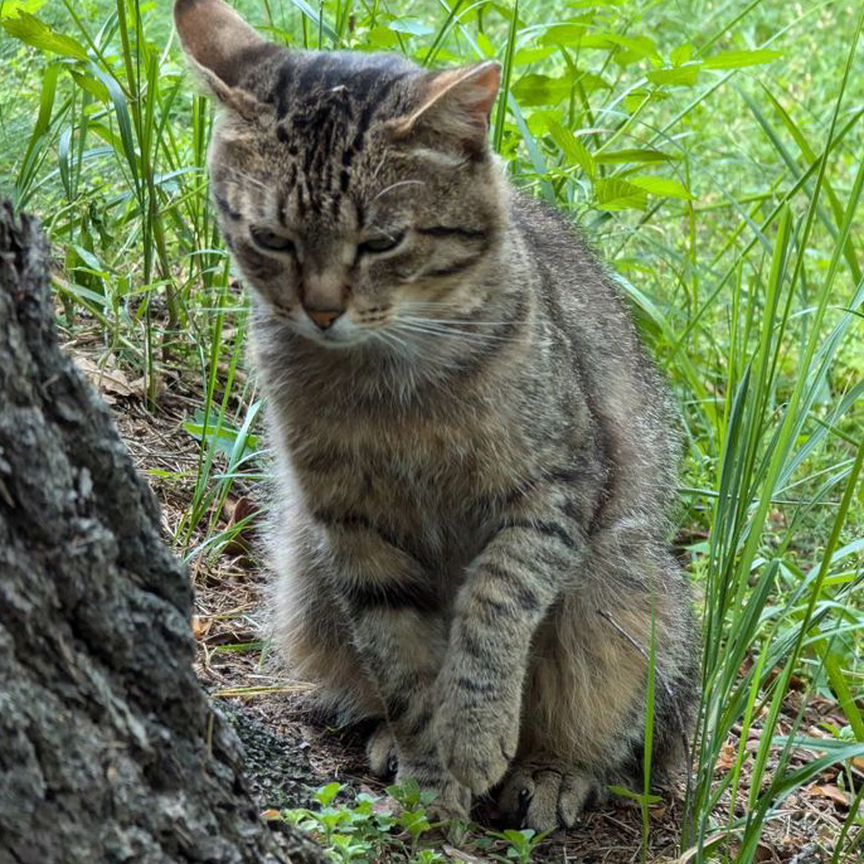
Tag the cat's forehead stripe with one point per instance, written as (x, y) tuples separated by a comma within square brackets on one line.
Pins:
[(318, 118)]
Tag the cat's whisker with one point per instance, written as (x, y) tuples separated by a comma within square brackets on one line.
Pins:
[(430, 328), (398, 184), (390, 339), (433, 304), (458, 303), (429, 358), (441, 308), (381, 163), (460, 321), (247, 178), (444, 334)]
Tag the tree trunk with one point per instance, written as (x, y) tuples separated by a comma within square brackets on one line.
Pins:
[(109, 751)]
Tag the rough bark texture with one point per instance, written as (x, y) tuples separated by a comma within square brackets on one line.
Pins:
[(109, 751)]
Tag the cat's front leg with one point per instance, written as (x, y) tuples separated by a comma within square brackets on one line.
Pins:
[(403, 651), (508, 590), (400, 632)]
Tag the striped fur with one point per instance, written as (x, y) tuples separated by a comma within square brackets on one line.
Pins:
[(474, 453)]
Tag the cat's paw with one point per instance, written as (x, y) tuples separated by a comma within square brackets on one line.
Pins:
[(382, 752), (545, 795), (476, 739)]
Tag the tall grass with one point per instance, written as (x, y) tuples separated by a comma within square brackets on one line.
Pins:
[(723, 184)]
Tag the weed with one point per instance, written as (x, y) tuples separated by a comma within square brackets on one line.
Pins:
[(369, 829)]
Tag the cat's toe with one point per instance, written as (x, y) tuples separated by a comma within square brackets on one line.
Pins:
[(382, 753), (476, 742), (545, 796), (479, 759)]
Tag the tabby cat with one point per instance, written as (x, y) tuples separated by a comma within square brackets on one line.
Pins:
[(474, 454)]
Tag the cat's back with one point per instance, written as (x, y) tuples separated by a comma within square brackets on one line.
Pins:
[(627, 396)]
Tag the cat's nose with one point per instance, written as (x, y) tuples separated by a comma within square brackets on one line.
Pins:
[(323, 318)]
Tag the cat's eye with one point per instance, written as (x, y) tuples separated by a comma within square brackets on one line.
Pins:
[(267, 239), (384, 243)]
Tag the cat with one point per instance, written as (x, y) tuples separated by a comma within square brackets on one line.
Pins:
[(474, 453)]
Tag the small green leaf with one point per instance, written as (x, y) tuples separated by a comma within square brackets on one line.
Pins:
[(635, 100), (614, 194), (11, 8), (740, 59), (635, 47), (665, 187), (93, 86), (571, 33), (89, 258), (527, 56), (30, 30), (411, 26), (681, 55), (574, 150), (534, 89), (635, 155), (680, 76), (381, 39), (325, 795), (487, 46)]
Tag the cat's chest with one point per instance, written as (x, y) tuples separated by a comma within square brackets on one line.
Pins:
[(436, 479)]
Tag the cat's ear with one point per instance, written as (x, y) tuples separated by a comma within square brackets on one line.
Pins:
[(221, 47), (455, 105)]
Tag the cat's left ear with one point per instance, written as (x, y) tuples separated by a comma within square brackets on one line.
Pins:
[(221, 47), (456, 106)]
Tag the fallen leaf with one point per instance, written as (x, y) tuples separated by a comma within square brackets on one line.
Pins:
[(142, 385), (810, 854), (727, 758), (239, 510), (109, 381), (834, 793), (459, 855), (201, 626), (817, 732)]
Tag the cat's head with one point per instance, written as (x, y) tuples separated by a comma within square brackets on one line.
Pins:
[(357, 192)]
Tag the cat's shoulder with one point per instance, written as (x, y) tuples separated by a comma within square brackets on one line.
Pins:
[(547, 227)]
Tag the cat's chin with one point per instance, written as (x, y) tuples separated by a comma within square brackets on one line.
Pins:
[(334, 341)]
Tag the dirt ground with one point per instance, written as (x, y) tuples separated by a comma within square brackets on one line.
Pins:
[(290, 751)]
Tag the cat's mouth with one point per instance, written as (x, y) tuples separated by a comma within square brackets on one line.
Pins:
[(400, 334), (340, 334)]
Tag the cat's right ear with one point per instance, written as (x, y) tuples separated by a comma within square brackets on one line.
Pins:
[(221, 47)]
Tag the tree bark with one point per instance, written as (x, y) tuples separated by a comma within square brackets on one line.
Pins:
[(109, 751)]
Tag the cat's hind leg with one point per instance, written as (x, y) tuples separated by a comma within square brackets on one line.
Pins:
[(583, 708), (314, 641)]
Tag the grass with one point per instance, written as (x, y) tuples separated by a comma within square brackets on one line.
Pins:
[(712, 151)]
